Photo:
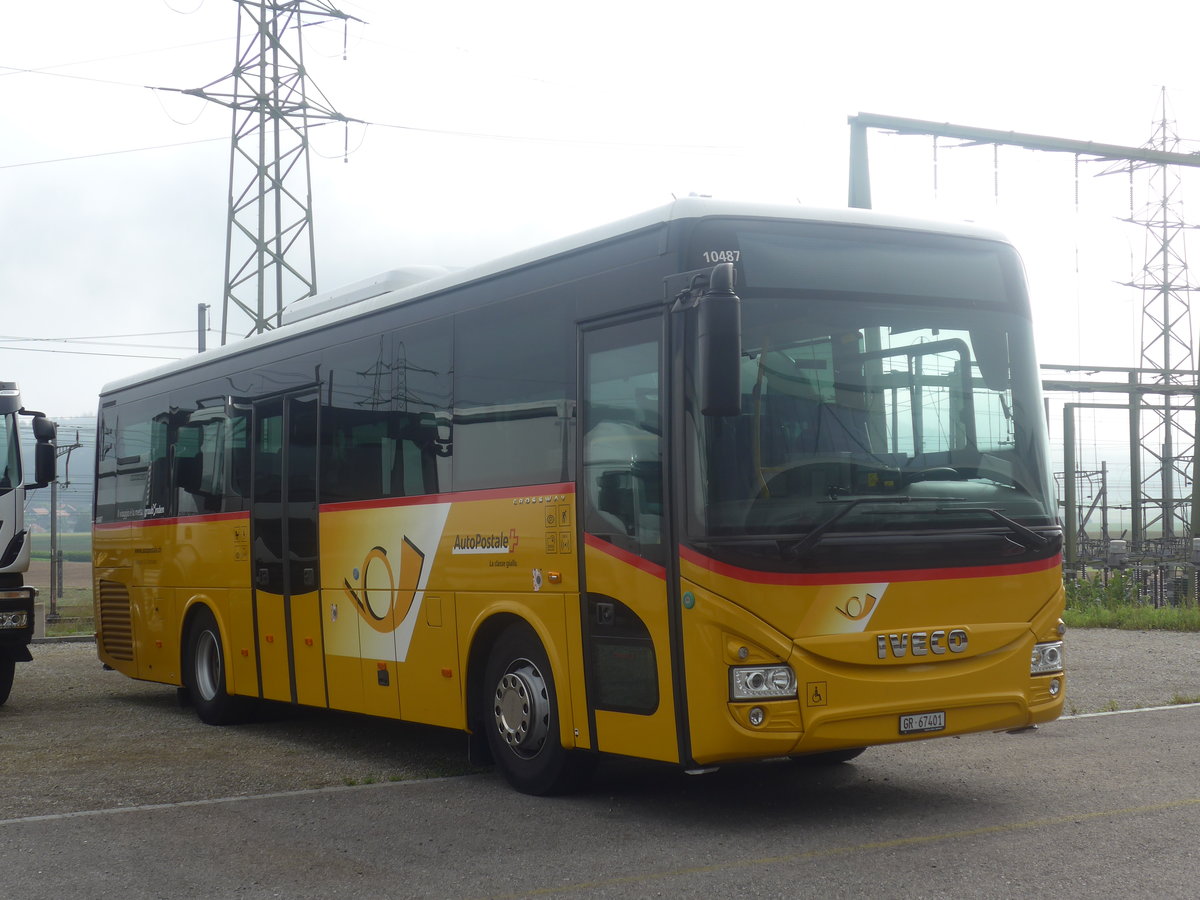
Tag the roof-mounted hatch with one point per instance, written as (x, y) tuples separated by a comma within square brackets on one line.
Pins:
[(392, 280)]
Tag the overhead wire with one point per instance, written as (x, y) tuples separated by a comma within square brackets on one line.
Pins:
[(184, 12), (15, 70), (346, 151), (95, 337), (7, 345), (43, 162), (40, 70), (9, 341), (89, 353)]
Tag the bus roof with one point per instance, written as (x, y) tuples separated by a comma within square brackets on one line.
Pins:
[(401, 285)]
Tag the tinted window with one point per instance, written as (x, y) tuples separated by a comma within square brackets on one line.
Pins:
[(209, 452), (514, 397), (142, 472), (385, 425)]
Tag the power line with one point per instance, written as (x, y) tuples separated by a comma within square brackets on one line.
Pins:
[(89, 353), (44, 162), (7, 343), (16, 70), (84, 62), (534, 139), (93, 337)]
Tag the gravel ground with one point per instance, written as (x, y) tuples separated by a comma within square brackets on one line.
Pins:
[(74, 736)]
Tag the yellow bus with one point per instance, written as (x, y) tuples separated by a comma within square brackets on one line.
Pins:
[(716, 483)]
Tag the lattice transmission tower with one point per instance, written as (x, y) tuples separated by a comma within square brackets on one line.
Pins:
[(270, 258), (1162, 493)]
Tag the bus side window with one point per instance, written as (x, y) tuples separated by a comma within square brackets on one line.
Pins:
[(106, 465), (622, 444), (142, 477)]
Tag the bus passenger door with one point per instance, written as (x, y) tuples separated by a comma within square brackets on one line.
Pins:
[(623, 604), (283, 532)]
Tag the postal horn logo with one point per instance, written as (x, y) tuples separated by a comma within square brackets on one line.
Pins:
[(381, 595), (856, 608)]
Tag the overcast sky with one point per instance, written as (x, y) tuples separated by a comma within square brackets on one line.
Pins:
[(498, 126)]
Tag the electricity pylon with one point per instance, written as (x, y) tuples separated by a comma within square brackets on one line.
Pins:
[(1167, 437), (270, 258)]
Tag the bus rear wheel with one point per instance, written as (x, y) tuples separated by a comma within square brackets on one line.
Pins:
[(204, 672), (519, 712)]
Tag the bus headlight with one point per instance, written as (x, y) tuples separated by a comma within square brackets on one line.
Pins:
[(761, 682), (1047, 658), (14, 619)]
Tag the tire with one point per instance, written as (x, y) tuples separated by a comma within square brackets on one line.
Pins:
[(829, 758), (519, 713), (204, 674), (8, 668)]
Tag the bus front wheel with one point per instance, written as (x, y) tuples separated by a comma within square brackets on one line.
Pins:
[(8, 669), (520, 716), (205, 674)]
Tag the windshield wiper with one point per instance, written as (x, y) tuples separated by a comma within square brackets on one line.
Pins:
[(796, 550), (1027, 536)]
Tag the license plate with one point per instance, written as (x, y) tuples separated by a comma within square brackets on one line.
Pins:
[(921, 723)]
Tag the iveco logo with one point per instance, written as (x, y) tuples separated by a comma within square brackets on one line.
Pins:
[(921, 643)]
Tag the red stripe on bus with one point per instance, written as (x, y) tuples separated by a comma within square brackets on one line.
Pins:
[(887, 575), (631, 559)]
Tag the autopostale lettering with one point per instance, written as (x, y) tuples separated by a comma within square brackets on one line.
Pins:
[(921, 643)]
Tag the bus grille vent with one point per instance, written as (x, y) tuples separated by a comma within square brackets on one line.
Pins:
[(116, 622)]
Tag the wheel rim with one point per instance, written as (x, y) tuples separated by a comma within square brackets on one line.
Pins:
[(208, 665), (522, 708)]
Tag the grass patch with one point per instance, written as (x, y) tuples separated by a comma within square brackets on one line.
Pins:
[(76, 546), (1183, 699), (1093, 604), (76, 615)]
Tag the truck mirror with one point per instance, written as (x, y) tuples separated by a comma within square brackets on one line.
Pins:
[(44, 430), (45, 462), (44, 465)]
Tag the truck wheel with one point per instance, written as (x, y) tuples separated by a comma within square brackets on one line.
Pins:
[(204, 673), (520, 715), (8, 668)]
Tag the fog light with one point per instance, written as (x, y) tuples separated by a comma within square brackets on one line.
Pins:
[(757, 715), (761, 682), (1046, 658), (1055, 687)]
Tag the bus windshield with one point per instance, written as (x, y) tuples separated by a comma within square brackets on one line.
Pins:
[(867, 413)]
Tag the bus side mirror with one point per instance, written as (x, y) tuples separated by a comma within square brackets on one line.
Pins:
[(45, 463), (719, 345)]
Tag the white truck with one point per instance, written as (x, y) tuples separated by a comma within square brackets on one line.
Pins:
[(16, 598)]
